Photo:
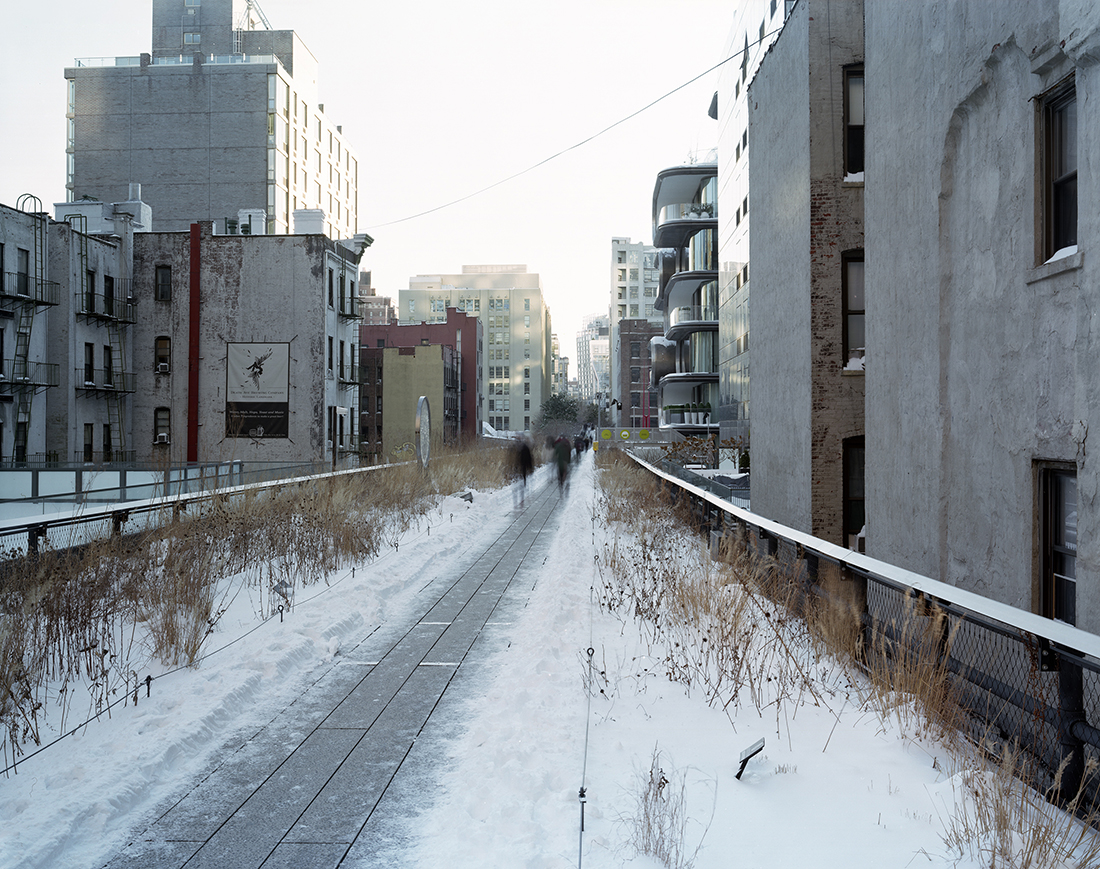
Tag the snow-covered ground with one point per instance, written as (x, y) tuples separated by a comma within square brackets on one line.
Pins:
[(834, 786)]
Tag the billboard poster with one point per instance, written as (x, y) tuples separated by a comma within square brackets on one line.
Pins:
[(257, 390)]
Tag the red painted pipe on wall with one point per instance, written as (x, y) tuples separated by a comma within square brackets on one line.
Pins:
[(193, 349)]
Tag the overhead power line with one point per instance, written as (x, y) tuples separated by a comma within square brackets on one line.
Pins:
[(579, 144)]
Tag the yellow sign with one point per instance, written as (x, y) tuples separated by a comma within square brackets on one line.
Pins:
[(644, 434), (625, 434), (606, 434)]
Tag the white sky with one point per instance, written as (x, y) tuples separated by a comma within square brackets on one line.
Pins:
[(440, 99)]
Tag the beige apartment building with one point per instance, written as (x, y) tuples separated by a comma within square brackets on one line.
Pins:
[(517, 365)]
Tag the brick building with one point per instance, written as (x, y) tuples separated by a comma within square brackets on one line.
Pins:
[(806, 247)]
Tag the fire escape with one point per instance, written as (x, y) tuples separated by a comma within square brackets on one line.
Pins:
[(22, 294), (112, 310)]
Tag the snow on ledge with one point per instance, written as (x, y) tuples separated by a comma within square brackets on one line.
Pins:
[(1062, 253)]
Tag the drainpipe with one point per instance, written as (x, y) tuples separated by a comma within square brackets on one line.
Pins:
[(193, 350)]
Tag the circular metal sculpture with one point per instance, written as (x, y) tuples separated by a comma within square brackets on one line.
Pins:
[(423, 430)]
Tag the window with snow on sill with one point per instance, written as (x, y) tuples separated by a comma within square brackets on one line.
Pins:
[(1062, 253)]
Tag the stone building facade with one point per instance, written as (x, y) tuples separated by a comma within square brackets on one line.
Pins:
[(982, 382), (245, 347)]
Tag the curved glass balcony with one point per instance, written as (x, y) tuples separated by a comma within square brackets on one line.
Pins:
[(691, 318)]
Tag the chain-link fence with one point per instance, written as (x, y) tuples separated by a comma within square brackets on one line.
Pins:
[(1023, 681)]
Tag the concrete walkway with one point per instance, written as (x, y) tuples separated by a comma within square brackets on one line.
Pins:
[(334, 780)]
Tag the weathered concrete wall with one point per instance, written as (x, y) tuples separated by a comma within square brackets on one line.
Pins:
[(262, 289), (779, 315), (195, 137), (983, 360)]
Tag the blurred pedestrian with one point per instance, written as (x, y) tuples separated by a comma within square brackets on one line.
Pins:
[(562, 452), (524, 464)]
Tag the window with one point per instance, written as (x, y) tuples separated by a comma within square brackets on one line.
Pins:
[(1058, 534), (22, 271), (1060, 168), (107, 452), (330, 290), (526, 373), (853, 120), (343, 352), (635, 375), (162, 289), (331, 353), (89, 364), (192, 38), (635, 349), (89, 438), (108, 367), (378, 404), (108, 295), (527, 304), (855, 341), (854, 516), (162, 354), (162, 425), (89, 292), (527, 389)]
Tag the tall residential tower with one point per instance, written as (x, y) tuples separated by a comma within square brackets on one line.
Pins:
[(221, 121)]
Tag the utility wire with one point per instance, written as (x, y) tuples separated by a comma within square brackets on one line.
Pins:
[(579, 144)]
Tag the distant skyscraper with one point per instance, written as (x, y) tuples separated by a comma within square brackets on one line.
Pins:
[(593, 362), (220, 118)]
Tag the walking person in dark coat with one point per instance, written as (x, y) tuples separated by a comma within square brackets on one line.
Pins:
[(524, 464), (562, 452)]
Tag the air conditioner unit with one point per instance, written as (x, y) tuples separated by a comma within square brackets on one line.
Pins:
[(162, 368), (162, 438)]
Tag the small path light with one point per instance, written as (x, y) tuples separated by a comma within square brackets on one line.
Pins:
[(748, 754)]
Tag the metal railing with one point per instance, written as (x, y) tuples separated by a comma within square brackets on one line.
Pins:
[(168, 494), (1022, 678)]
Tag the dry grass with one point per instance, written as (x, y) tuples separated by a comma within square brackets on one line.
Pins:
[(996, 820), (742, 630), (94, 615), (658, 825)]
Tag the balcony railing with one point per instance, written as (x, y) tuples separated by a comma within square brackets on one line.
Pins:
[(104, 307), (692, 314), (18, 375), (687, 211), (19, 285), (349, 308), (103, 379), (89, 456), (176, 60), (348, 375)]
